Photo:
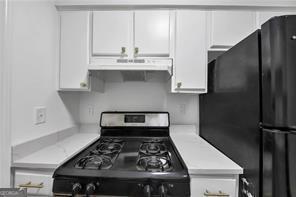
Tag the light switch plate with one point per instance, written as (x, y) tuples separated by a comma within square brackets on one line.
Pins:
[(40, 115)]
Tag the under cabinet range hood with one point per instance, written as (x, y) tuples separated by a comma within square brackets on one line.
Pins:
[(137, 64)]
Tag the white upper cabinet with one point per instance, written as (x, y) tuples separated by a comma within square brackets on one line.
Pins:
[(227, 28), (112, 31), (190, 54), (142, 33), (74, 51), (152, 33)]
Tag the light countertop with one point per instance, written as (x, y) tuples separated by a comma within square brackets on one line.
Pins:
[(52, 156), (199, 156)]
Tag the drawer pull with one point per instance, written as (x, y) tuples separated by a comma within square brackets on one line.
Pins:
[(220, 194), (30, 185)]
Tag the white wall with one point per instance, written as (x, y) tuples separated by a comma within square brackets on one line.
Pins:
[(34, 59), (5, 150), (139, 96), (2, 19)]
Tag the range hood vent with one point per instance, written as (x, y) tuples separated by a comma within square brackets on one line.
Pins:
[(137, 64), (133, 75), (126, 61)]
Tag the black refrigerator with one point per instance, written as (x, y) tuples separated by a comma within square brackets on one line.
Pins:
[(249, 112)]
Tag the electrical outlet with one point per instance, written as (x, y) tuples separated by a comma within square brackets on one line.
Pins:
[(40, 115)]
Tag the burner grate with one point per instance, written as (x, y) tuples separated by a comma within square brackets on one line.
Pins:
[(103, 156), (154, 156), (153, 149), (154, 164), (111, 140), (94, 162), (109, 148)]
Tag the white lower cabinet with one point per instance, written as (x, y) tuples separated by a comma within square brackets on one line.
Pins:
[(38, 183), (212, 186)]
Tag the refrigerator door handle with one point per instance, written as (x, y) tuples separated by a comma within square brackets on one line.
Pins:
[(248, 189), (291, 164)]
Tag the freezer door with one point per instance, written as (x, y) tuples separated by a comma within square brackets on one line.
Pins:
[(279, 72), (230, 111), (279, 163)]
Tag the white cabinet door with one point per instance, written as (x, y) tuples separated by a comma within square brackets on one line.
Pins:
[(112, 31), (190, 54), (41, 180), (227, 28), (200, 186), (152, 33), (264, 16), (74, 50)]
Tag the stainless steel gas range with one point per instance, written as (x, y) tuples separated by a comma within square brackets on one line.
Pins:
[(134, 156)]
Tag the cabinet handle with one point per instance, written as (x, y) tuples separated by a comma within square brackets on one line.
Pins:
[(245, 181), (83, 84), (123, 51), (220, 194), (136, 51), (30, 185), (179, 84)]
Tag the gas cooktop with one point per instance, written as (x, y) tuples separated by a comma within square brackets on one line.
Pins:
[(133, 157)]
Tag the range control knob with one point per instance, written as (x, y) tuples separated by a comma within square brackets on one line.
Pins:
[(147, 191), (163, 191), (90, 189), (76, 188)]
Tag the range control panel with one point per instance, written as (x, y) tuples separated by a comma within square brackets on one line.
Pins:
[(135, 119)]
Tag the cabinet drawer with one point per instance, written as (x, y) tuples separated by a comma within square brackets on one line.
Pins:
[(37, 183), (213, 187)]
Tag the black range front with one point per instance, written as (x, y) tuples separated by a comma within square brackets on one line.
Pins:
[(133, 157)]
